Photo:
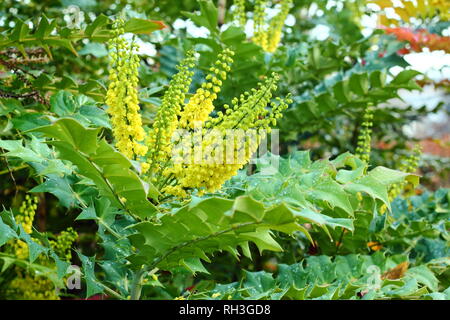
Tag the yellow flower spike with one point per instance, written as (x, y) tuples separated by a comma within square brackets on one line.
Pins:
[(166, 120), (201, 104), (364, 138), (408, 165), (239, 12), (276, 26), (122, 95), (269, 37), (178, 171), (259, 20), (25, 218)]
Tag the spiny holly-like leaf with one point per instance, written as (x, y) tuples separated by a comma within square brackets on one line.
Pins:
[(6, 233), (340, 95), (321, 186), (87, 214), (48, 34), (97, 160), (79, 107), (92, 284), (320, 277), (207, 226), (16, 149), (60, 188)]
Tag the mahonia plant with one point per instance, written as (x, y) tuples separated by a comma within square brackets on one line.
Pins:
[(25, 286), (244, 125), (201, 104), (172, 153), (266, 35), (122, 95), (169, 159)]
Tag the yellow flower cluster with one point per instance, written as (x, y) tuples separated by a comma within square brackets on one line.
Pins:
[(269, 37), (364, 138), (228, 141), (27, 287), (25, 218), (63, 243), (166, 120), (122, 95), (200, 105)]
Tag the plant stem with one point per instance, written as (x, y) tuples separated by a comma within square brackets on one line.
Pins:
[(136, 286), (339, 242), (109, 229), (221, 7), (112, 292), (13, 169)]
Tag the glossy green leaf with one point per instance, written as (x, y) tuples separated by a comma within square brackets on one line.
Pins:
[(95, 159)]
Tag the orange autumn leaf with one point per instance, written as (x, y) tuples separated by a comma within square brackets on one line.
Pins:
[(420, 39), (374, 245), (397, 272)]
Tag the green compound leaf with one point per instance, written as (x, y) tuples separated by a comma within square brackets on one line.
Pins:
[(49, 34), (207, 226), (97, 160), (321, 277), (342, 95)]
